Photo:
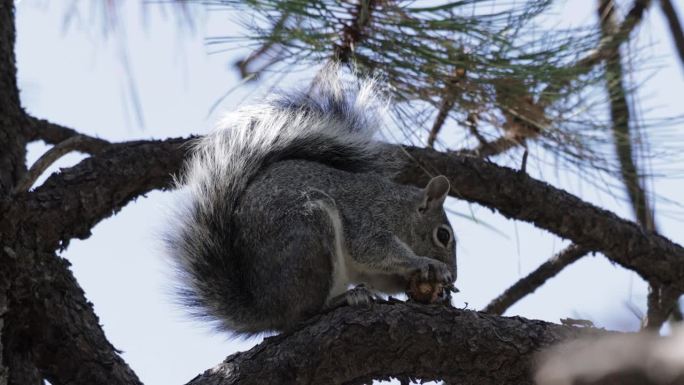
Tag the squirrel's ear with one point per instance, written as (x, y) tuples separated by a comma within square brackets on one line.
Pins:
[(435, 193)]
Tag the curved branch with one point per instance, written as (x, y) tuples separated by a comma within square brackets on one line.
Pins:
[(67, 205), (518, 196), (71, 202), (50, 157), (52, 133), (535, 279), (604, 48), (608, 44), (621, 121), (399, 340)]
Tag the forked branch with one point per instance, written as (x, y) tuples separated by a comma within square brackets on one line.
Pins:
[(52, 133), (535, 279), (52, 155)]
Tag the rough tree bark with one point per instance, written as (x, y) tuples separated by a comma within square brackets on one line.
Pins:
[(70, 203), (48, 330), (518, 196), (12, 141), (14, 366), (356, 345), (109, 180)]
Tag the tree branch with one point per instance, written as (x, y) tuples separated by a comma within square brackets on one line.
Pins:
[(52, 155), (607, 43), (70, 203), (243, 65), (67, 205), (51, 326), (442, 113), (535, 279), (14, 368), (620, 121), (530, 127), (51, 133), (396, 339), (9, 93), (12, 142), (448, 101), (661, 302), (354, 32), (487, 149), (5, 284), (521, 197), (675, 27)]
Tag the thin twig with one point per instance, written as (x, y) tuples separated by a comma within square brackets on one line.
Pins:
[(244, 64), (523, 166), (526, 120), (660, 305), (487, 149), (535, 279), (620, 120), (610, 42), (675, 27), (447, 105), (448, 101), (72, 144), (51, 133), (354, 32), (584, 65), (471, 123), (620, 35)]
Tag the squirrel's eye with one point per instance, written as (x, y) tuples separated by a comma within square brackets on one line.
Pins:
[(443, 235)]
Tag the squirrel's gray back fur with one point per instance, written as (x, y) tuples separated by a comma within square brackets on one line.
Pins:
[(333, 125), (275, 195)]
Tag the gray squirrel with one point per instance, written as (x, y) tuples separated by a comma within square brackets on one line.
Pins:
[(290, 202)]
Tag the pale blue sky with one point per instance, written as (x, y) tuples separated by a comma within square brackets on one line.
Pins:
[(76, 77)]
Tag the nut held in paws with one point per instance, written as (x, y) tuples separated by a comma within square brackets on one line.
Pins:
[(424, 292)]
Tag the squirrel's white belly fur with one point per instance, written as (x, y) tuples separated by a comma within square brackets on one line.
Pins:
[(341, 262), (345, 271)]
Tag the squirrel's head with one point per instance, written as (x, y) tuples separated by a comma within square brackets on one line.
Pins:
[(433, 236)]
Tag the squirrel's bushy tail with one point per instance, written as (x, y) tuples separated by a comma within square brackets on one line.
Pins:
[(333, 124)]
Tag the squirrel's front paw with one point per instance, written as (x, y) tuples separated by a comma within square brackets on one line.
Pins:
[(359, 295), (431, 282), (432, 270)]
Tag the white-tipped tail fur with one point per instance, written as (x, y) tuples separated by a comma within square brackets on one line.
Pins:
[(333, 123)]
